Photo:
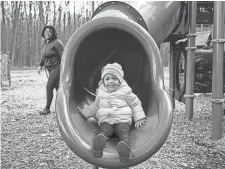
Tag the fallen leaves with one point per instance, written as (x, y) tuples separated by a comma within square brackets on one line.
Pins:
[(29, 140)]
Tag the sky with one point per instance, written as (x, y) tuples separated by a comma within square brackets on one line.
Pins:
[(78, 4)]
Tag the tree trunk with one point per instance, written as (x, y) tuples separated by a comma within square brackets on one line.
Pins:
[(34, 36), (81, 15), (47, 12), (3, 27), (59, 19), (68, 23), (29, 27), (20, 61), (40, 26), (26, 38), (75, 17), (64, 24), (15, 24), (87, 12), (92, 7), (8, 30), (54, 14), (41, 15)]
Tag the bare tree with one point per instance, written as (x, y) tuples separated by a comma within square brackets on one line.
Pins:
[(54, 14), (23, 37), (47, 12), (3, 27), (68, 22), (87, 12), (59, 18), (29, 33), (16, 6), (92, 7), (41, 14), (64, 22), (34, 33), (75, 17)]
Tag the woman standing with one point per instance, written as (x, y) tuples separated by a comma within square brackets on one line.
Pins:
[(52, 49)]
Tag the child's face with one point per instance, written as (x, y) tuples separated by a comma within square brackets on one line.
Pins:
[(111, 82)]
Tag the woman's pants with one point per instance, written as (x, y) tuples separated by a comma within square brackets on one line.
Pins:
[(53, 82)]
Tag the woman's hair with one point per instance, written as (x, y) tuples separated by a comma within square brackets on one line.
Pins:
[(54, 33)]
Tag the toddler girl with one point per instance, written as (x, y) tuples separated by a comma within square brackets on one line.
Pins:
[(114, 107)]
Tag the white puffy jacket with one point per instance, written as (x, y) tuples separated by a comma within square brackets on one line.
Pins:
[(116, 107)]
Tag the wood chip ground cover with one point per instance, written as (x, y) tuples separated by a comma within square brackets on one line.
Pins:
[(32, 141)]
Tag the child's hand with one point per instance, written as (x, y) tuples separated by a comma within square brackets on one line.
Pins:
[(140, 123)]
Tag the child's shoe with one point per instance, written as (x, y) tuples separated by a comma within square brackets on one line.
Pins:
[(99, 143), (124, 151)]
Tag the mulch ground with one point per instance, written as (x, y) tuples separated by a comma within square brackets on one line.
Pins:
[(30, 141)]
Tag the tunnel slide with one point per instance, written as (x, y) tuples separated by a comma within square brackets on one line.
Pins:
[(127, 33)]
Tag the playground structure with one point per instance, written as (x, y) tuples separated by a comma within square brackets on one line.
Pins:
[(204, 60), (130, 34), (5, 68), (203, 66)]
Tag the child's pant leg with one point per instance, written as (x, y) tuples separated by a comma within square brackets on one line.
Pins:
[(106, 129), (122, 130)]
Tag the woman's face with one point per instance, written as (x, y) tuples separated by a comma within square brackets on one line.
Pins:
[(111, 82), (48, 33)]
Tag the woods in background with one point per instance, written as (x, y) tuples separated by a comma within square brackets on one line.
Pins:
[(23, 21)]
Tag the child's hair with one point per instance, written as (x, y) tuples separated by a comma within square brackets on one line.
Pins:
[(115, 69)]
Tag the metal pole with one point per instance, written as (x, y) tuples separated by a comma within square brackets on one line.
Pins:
[(217, 70), (172, 73), (189, 96)]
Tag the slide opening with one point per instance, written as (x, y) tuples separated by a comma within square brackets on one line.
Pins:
[(109, 45)]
